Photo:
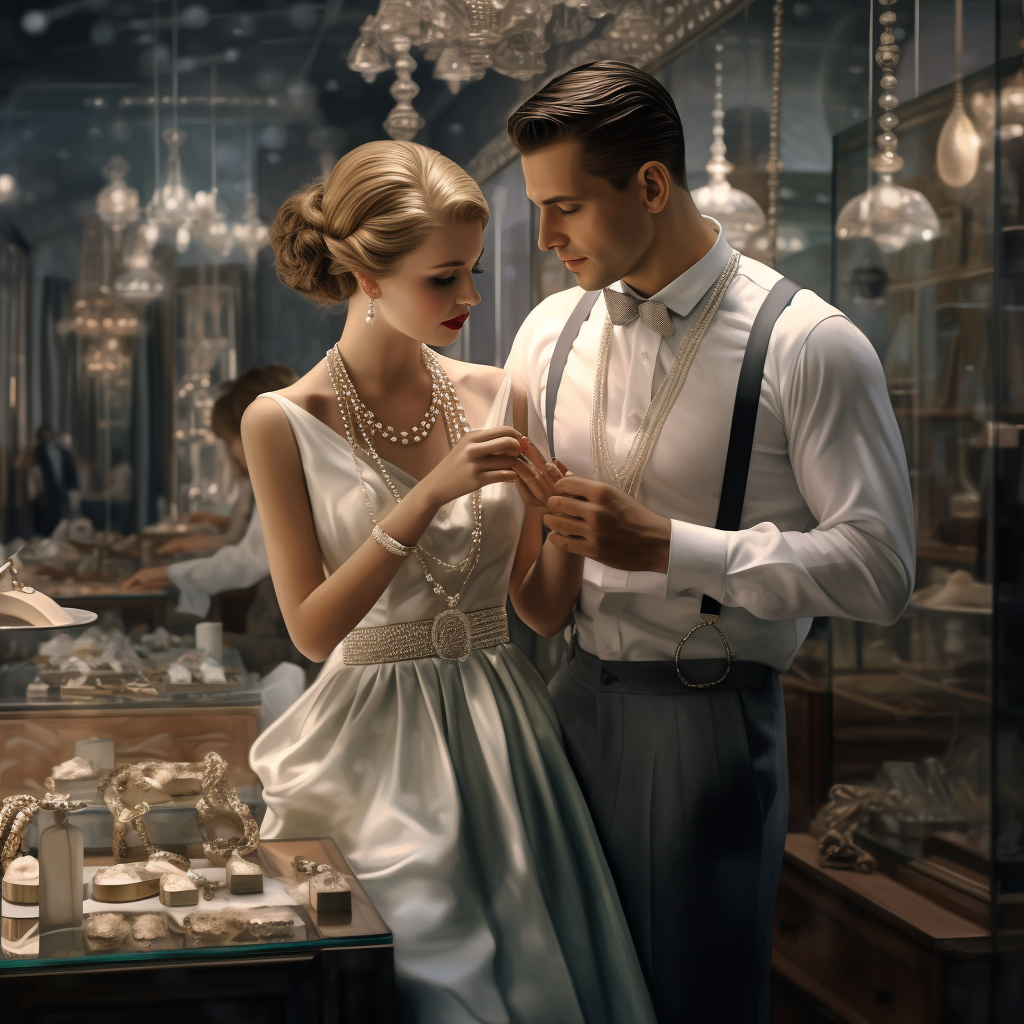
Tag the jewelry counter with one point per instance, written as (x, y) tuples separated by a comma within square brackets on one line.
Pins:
[(263, 956)]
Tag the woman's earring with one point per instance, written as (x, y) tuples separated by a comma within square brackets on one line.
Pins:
[(371, 313)]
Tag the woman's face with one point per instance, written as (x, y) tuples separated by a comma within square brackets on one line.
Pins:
[(428, 298)]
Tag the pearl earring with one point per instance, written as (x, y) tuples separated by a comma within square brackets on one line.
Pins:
[(371, 313)]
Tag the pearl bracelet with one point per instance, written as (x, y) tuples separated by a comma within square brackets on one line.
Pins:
[(390, 545)]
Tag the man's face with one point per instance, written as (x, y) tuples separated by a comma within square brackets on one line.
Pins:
[(600, 233)]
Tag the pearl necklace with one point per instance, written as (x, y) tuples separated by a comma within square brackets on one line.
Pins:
[(629, 477), (456, 426), (369, 424)]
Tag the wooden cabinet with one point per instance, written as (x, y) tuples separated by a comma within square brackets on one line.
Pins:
[(864, 949)]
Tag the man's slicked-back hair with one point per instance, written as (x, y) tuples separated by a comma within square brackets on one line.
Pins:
[(621, 116)]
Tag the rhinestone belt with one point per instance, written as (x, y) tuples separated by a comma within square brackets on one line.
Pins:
[(450, 635)]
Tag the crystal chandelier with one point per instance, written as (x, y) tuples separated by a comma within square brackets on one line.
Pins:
[(891, 215), (463, 38), (172, 206), (139, 283), (737, 212), (250, 232), (212, 228), (117, 204), (106, 358)]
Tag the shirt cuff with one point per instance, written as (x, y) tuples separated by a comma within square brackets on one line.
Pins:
[(696, 560), (191, 600)]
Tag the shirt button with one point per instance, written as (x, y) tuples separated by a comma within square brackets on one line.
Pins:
[(643, 357)]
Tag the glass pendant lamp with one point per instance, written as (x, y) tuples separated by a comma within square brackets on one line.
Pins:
[(172, 206), (959, 148), (892, 215), (117, 204), (737, 212)]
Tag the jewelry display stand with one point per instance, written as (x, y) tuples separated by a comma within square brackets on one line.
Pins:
[(302, 959)]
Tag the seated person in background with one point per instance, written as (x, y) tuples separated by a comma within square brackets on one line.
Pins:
[(242, 564)]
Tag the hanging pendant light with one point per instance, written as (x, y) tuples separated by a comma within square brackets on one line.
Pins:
[(8, 187), (250, 232), (959, 148), (891, 215), (150, 228), (117, 205), (212, 228), (737, 212), (139, 283), (173, 206)]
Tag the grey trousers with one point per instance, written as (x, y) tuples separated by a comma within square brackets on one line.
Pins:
[(689, 793)]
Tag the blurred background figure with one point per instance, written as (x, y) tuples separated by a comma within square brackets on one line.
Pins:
[(52, 480), (243, 563)]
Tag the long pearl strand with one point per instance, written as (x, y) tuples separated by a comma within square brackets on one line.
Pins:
[(456, 426)]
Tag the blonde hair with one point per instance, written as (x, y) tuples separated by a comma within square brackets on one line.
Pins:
[(376, 207)]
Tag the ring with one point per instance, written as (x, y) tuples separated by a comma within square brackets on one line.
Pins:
[(709, 621)]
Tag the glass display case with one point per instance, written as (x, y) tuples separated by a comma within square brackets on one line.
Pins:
[(930, 708)]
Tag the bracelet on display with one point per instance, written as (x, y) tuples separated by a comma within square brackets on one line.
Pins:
[(390, 545)]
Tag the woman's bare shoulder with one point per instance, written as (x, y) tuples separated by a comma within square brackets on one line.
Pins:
[(479, 378), (311, 392)]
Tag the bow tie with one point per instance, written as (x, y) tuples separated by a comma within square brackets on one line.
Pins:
[(623, 309)]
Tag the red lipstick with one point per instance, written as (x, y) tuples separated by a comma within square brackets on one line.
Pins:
[(456, 322)]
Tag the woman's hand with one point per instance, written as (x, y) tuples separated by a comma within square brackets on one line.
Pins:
[(536, 477), (153, 578), (482, 457)]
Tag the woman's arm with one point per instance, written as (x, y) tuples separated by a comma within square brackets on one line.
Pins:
[(545, 581), (318, 612)]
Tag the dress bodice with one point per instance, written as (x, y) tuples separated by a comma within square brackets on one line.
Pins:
[(343, 523)]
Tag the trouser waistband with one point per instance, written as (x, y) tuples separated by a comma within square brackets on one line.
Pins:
[(661, 677)]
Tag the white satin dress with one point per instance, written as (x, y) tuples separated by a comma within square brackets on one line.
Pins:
[(446, 786)]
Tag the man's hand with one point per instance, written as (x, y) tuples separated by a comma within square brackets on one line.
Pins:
[(601, 522), (153, 578)]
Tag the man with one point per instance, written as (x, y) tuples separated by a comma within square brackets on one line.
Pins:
[(52, 481), (684, 771)]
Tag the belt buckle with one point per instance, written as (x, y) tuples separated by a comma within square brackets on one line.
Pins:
[(709, 621)]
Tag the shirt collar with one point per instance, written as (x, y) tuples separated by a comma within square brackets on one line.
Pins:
[(683, 294)]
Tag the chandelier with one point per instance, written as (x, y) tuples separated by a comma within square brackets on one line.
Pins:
[(892, 215), (463, 38), (737, 212), (117, 204), (139, 283)]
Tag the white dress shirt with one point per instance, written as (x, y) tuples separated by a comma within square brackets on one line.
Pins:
[(827, 526), (233, 567)]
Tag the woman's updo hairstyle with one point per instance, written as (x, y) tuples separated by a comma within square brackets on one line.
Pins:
[(376, 207)]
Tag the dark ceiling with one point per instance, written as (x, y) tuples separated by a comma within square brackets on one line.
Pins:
[(77, 92)]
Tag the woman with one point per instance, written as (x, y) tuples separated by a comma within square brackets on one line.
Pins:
[(428, 749), (241, 564)]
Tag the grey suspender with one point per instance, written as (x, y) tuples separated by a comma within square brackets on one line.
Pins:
[(744, 413), (559, 358)]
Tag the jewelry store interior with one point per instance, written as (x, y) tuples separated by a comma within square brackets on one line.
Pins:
[(871, 150)]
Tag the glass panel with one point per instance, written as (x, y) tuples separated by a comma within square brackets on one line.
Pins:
[(913, 701), (145, 930)]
